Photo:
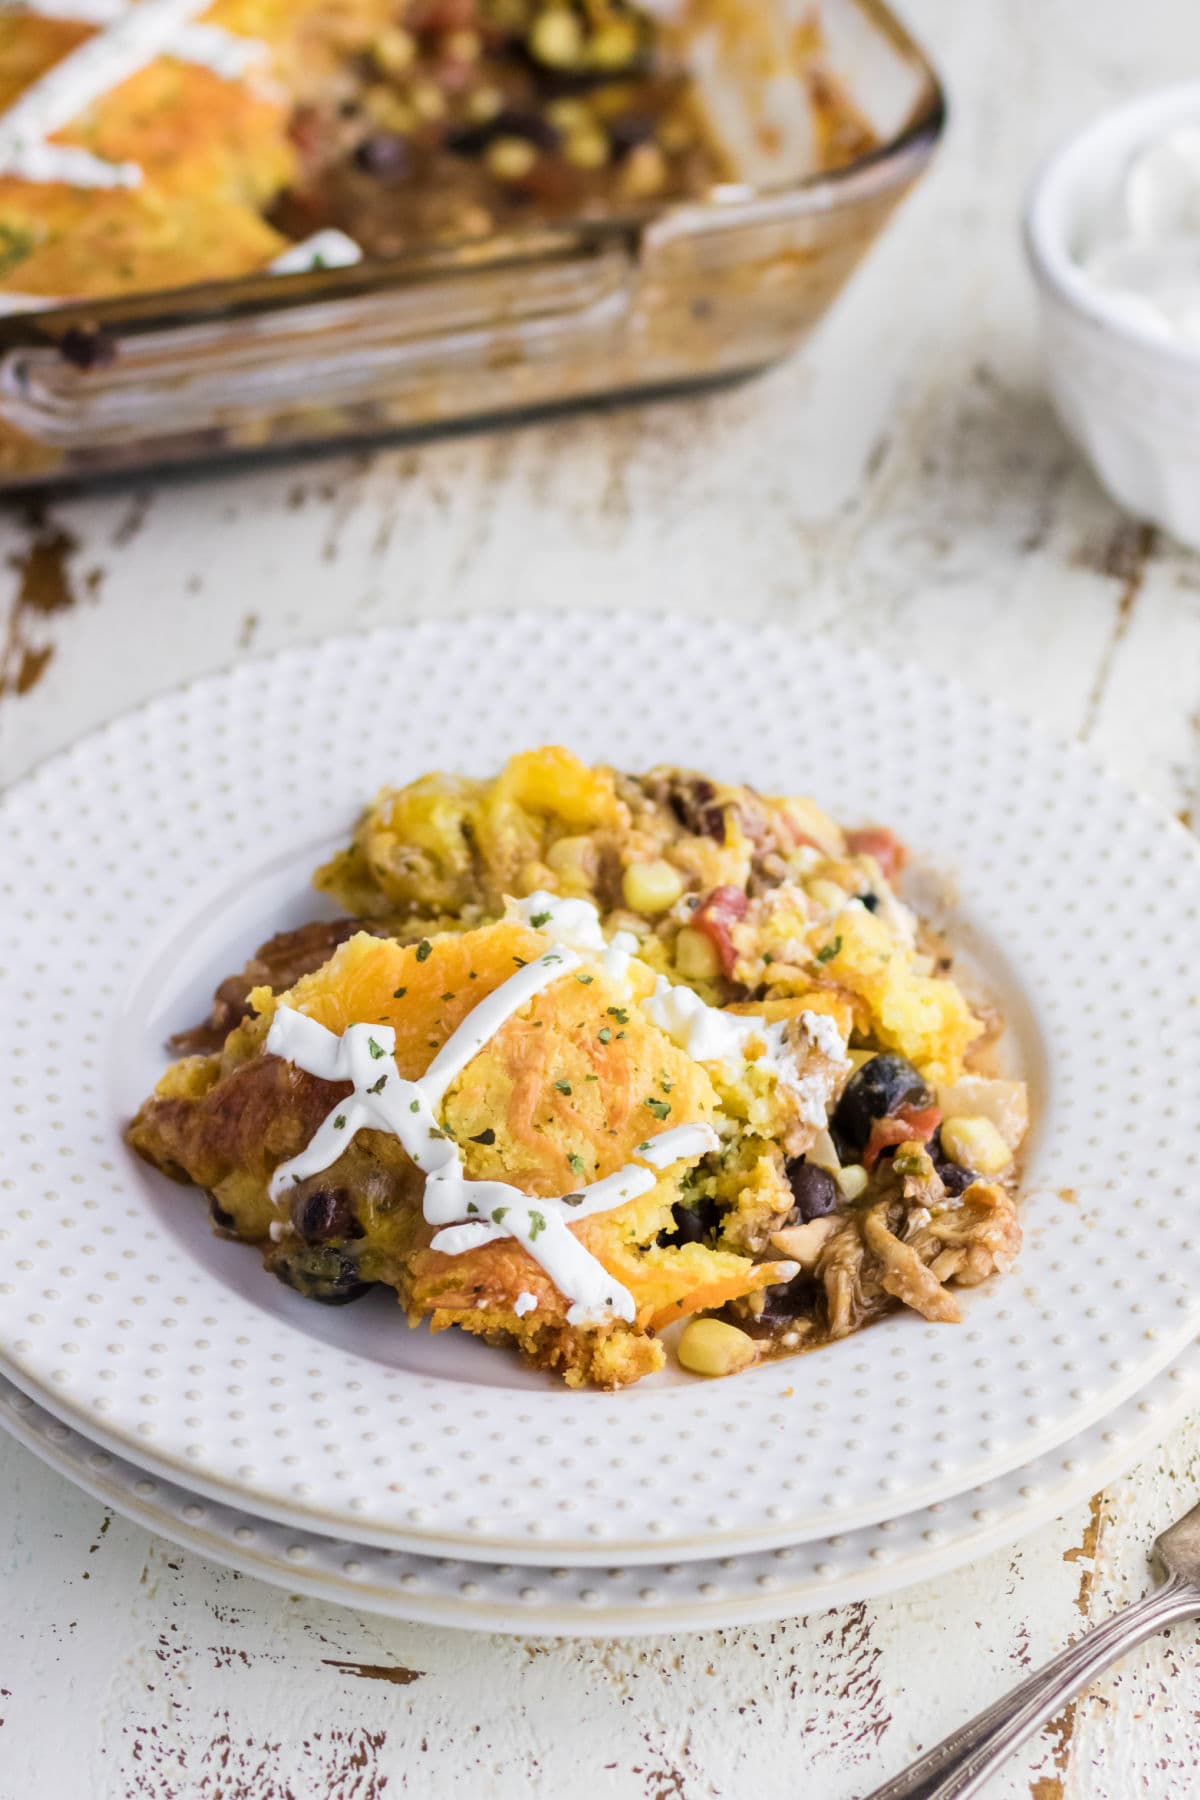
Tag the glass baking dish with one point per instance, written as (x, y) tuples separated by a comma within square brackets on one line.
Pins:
[(662, 299)]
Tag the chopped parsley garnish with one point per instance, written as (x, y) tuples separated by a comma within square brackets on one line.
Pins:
[(399, 993), (665, 1082), (537, 1224), (436, 1131), (584, 980), (485, 1137), (619, 1014), (377, 1087), (576, 1161), (563, 1087), (377, 1050), (449, 995), (414, 1106), (520, 961), (339, 1124), (498, 1213), (424, 950), (827, 952), (605, 1034), (572, 1199), (552, 956), (591, 1078), (660, 1108), (537, 920), (471, 1207)]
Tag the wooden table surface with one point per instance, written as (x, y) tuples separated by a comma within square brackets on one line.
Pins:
[(901, 484)]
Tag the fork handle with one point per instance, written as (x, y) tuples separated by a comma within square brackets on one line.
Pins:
[(962, 1762)]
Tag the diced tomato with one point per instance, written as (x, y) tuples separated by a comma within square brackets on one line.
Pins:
[(723, 908), (911, 1125), (879, 842)]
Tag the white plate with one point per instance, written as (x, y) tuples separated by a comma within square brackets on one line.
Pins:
[(592, 1602), (146, 861)]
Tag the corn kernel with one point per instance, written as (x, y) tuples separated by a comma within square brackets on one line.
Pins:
[(696, 955), (394, 51), (827, 894), (587, 149), (509, 158), (428, 100), (651, 887), (568, 115), (975, 1144), (556, 38), (614, 45), (710, 1347), (383, 107), (852, 1180), (573, 860), (483, 104), (644, 172)]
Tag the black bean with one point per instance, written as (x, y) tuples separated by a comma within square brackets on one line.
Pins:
[(693, 804), (787, 1300), (694, 1224), (814, 1190), (881, 1087), (385, 154), (324, 1213), (328, 1276), (87, 347), (954, 1179)]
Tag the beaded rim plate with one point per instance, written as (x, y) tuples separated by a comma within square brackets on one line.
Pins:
[(592, 1602), (144, 862)]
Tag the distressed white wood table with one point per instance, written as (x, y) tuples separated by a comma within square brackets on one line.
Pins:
[(904, 484)]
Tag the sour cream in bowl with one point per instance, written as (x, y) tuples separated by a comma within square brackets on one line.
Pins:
[(1112, 233)]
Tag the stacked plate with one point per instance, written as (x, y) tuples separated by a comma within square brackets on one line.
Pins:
[(335, 1451)]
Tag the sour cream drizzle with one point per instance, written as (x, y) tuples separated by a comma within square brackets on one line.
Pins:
[(471, 1212), (134, 38), (711, 1036)]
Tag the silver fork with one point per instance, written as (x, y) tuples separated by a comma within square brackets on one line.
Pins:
[(962, 1762)]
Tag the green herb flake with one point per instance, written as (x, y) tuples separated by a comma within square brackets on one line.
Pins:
[(471, 1207), (619, 1014), (414, 1106), (449, 995), (424, 950), (660, 1108), (827, 952), (485, 1137), (399, 993), (377, 1087), (537, 1224), (585, 980), (377, 1050), (665, 1082), (339, 1124), (572, 1199), (605, 1034), (563, 1087), (498, 1214), (576, 1161), (520, 961), (538, 919)]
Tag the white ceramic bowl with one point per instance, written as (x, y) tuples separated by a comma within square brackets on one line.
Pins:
[(1129, 398)]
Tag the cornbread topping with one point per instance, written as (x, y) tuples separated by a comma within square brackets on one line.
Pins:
[(593, 1053)]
